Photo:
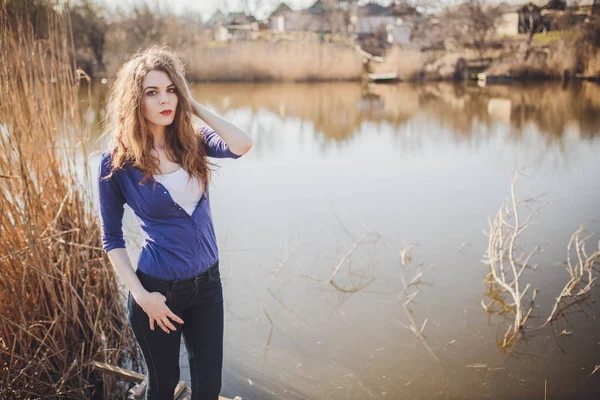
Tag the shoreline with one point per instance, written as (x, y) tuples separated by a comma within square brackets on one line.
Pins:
[(496, 79)]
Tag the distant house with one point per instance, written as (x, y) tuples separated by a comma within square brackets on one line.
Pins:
[(318, 18), (586, 7), (277, 18), (216, 17), (233, 26), (517, 19), (509, 20), (396, 20)]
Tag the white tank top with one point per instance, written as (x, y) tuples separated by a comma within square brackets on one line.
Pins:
[(186, 194)]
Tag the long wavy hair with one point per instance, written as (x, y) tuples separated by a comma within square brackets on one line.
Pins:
[(126, 123)]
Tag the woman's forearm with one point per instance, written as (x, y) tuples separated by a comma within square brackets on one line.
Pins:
[(237, 140), (122, 264)]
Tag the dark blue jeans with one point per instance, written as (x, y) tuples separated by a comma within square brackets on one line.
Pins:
[(198, 302)]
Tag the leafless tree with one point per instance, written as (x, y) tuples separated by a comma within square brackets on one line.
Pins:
[(470, 24), (89, 24), (336, 16), (147, 24), (531, 19), (482, 22)]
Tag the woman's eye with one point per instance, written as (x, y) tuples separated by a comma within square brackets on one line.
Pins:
[(153, 92)]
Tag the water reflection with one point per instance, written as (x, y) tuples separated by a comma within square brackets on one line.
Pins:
[(423, 164), (337, 111)]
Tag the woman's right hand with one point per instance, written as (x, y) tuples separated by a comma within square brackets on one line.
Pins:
[(154, 304)]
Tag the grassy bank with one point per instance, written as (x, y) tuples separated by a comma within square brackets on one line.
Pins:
[(60, 300), (262, 61), (313, 61)]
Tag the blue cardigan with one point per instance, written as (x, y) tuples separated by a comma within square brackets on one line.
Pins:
[(176, 245)]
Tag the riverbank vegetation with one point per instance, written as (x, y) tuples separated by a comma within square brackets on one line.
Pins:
[(60, 303), (453, 43)]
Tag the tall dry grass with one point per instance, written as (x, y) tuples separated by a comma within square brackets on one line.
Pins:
[(407, 63), (60, 305), (283, 62)]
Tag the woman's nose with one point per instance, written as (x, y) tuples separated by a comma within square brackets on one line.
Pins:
[(164, 98)]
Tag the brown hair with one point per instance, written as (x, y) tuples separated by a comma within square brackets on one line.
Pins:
[(126, 123)]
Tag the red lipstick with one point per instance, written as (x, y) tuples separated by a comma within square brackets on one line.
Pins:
[(166, 112)]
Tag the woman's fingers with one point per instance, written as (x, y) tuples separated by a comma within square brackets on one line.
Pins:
[(175, 317), (163, 321), (162, 325), (169, 324)]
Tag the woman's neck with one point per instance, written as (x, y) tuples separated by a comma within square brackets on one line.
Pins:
[(159, 134)]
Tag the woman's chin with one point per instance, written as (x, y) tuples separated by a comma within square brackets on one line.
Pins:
[(164, 123), (167, 121)]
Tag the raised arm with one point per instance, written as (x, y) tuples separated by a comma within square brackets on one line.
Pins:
[(236, 140), (214, 145)]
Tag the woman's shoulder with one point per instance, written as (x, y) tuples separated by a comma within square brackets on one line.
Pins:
[(106, 161), (106, 156)]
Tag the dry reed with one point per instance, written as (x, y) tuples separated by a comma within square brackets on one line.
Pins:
[(60, 300)]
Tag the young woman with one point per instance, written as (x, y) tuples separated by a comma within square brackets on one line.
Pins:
[(159, 167)]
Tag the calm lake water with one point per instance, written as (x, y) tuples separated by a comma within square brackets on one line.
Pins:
[(422, 164)]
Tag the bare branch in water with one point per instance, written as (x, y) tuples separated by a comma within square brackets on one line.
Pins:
[(581, 273), (506, 267)]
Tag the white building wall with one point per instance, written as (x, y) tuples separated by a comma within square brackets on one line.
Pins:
[(509, 24)]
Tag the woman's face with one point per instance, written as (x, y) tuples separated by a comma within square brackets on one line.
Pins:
[(159, 98)]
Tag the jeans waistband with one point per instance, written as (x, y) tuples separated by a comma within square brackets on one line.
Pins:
[(180, 282)]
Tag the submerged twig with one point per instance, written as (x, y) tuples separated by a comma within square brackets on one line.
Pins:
[(594, 371), (406, 298), (349, 253)]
